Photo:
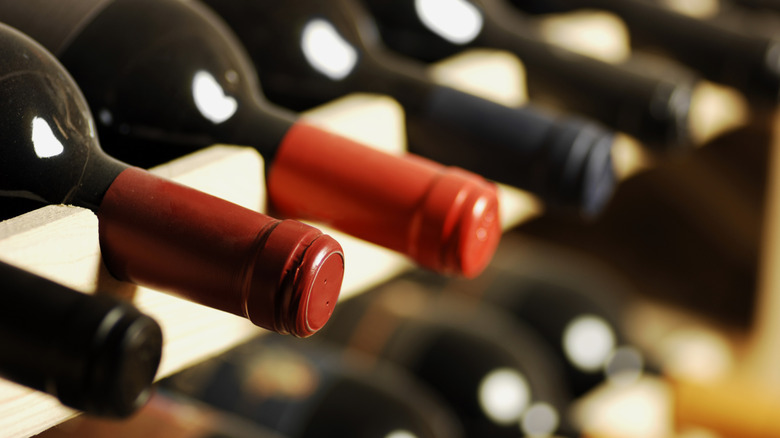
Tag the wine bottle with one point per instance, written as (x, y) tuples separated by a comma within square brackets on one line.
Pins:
[(309, 52), (747, 61), (166, 415), (94, 353), (653, 108), (170, 74), (310, 390), (282, 275), (494, 374)]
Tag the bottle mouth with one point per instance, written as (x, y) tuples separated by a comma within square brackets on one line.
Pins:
[(457, 226), (295, 281), (773, 69), (581, 167), (319, 280), (141, 346), (121, 367), (599, 180), (671, 105)]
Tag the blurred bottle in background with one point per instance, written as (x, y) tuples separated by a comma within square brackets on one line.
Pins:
[(626, 96), (313, 390), (718, 50), (495, 374)]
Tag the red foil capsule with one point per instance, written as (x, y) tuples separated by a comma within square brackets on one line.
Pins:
[(444, 218), (283, 275)]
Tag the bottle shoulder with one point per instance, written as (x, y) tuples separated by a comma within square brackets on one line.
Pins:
[(50, 145)]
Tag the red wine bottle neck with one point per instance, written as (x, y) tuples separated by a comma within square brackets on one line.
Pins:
[(282, 275), (444, 218)]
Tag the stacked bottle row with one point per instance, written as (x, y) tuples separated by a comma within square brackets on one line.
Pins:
[(516, 353), (167, 77), (420, 356)]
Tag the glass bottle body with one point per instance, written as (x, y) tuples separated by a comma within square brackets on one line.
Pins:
[(50, 147)]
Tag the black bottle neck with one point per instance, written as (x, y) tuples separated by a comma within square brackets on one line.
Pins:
[(93, 352), (261, 125), (404, 80)]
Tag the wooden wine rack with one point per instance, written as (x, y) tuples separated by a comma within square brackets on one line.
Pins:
[(61, 242)]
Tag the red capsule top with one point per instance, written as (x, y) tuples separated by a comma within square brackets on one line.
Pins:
[(284, 276), (305, 268), (444, 218)]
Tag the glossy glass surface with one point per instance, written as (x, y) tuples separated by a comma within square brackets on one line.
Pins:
[(165, 72), (308, 52), (168, 71), (48, 139), (490, 387), (581, 325), (493, 382), (401, 23)]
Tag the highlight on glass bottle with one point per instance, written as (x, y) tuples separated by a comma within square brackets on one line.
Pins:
[(430, 30)]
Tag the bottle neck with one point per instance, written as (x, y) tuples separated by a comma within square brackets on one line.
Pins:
[(257, 124), (602, 91), (564, 161), (506, 29), (260, 125), (405, 80), (99, 173), (282, 275)]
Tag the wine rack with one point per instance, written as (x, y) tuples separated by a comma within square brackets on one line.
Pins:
[(61, 242)]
